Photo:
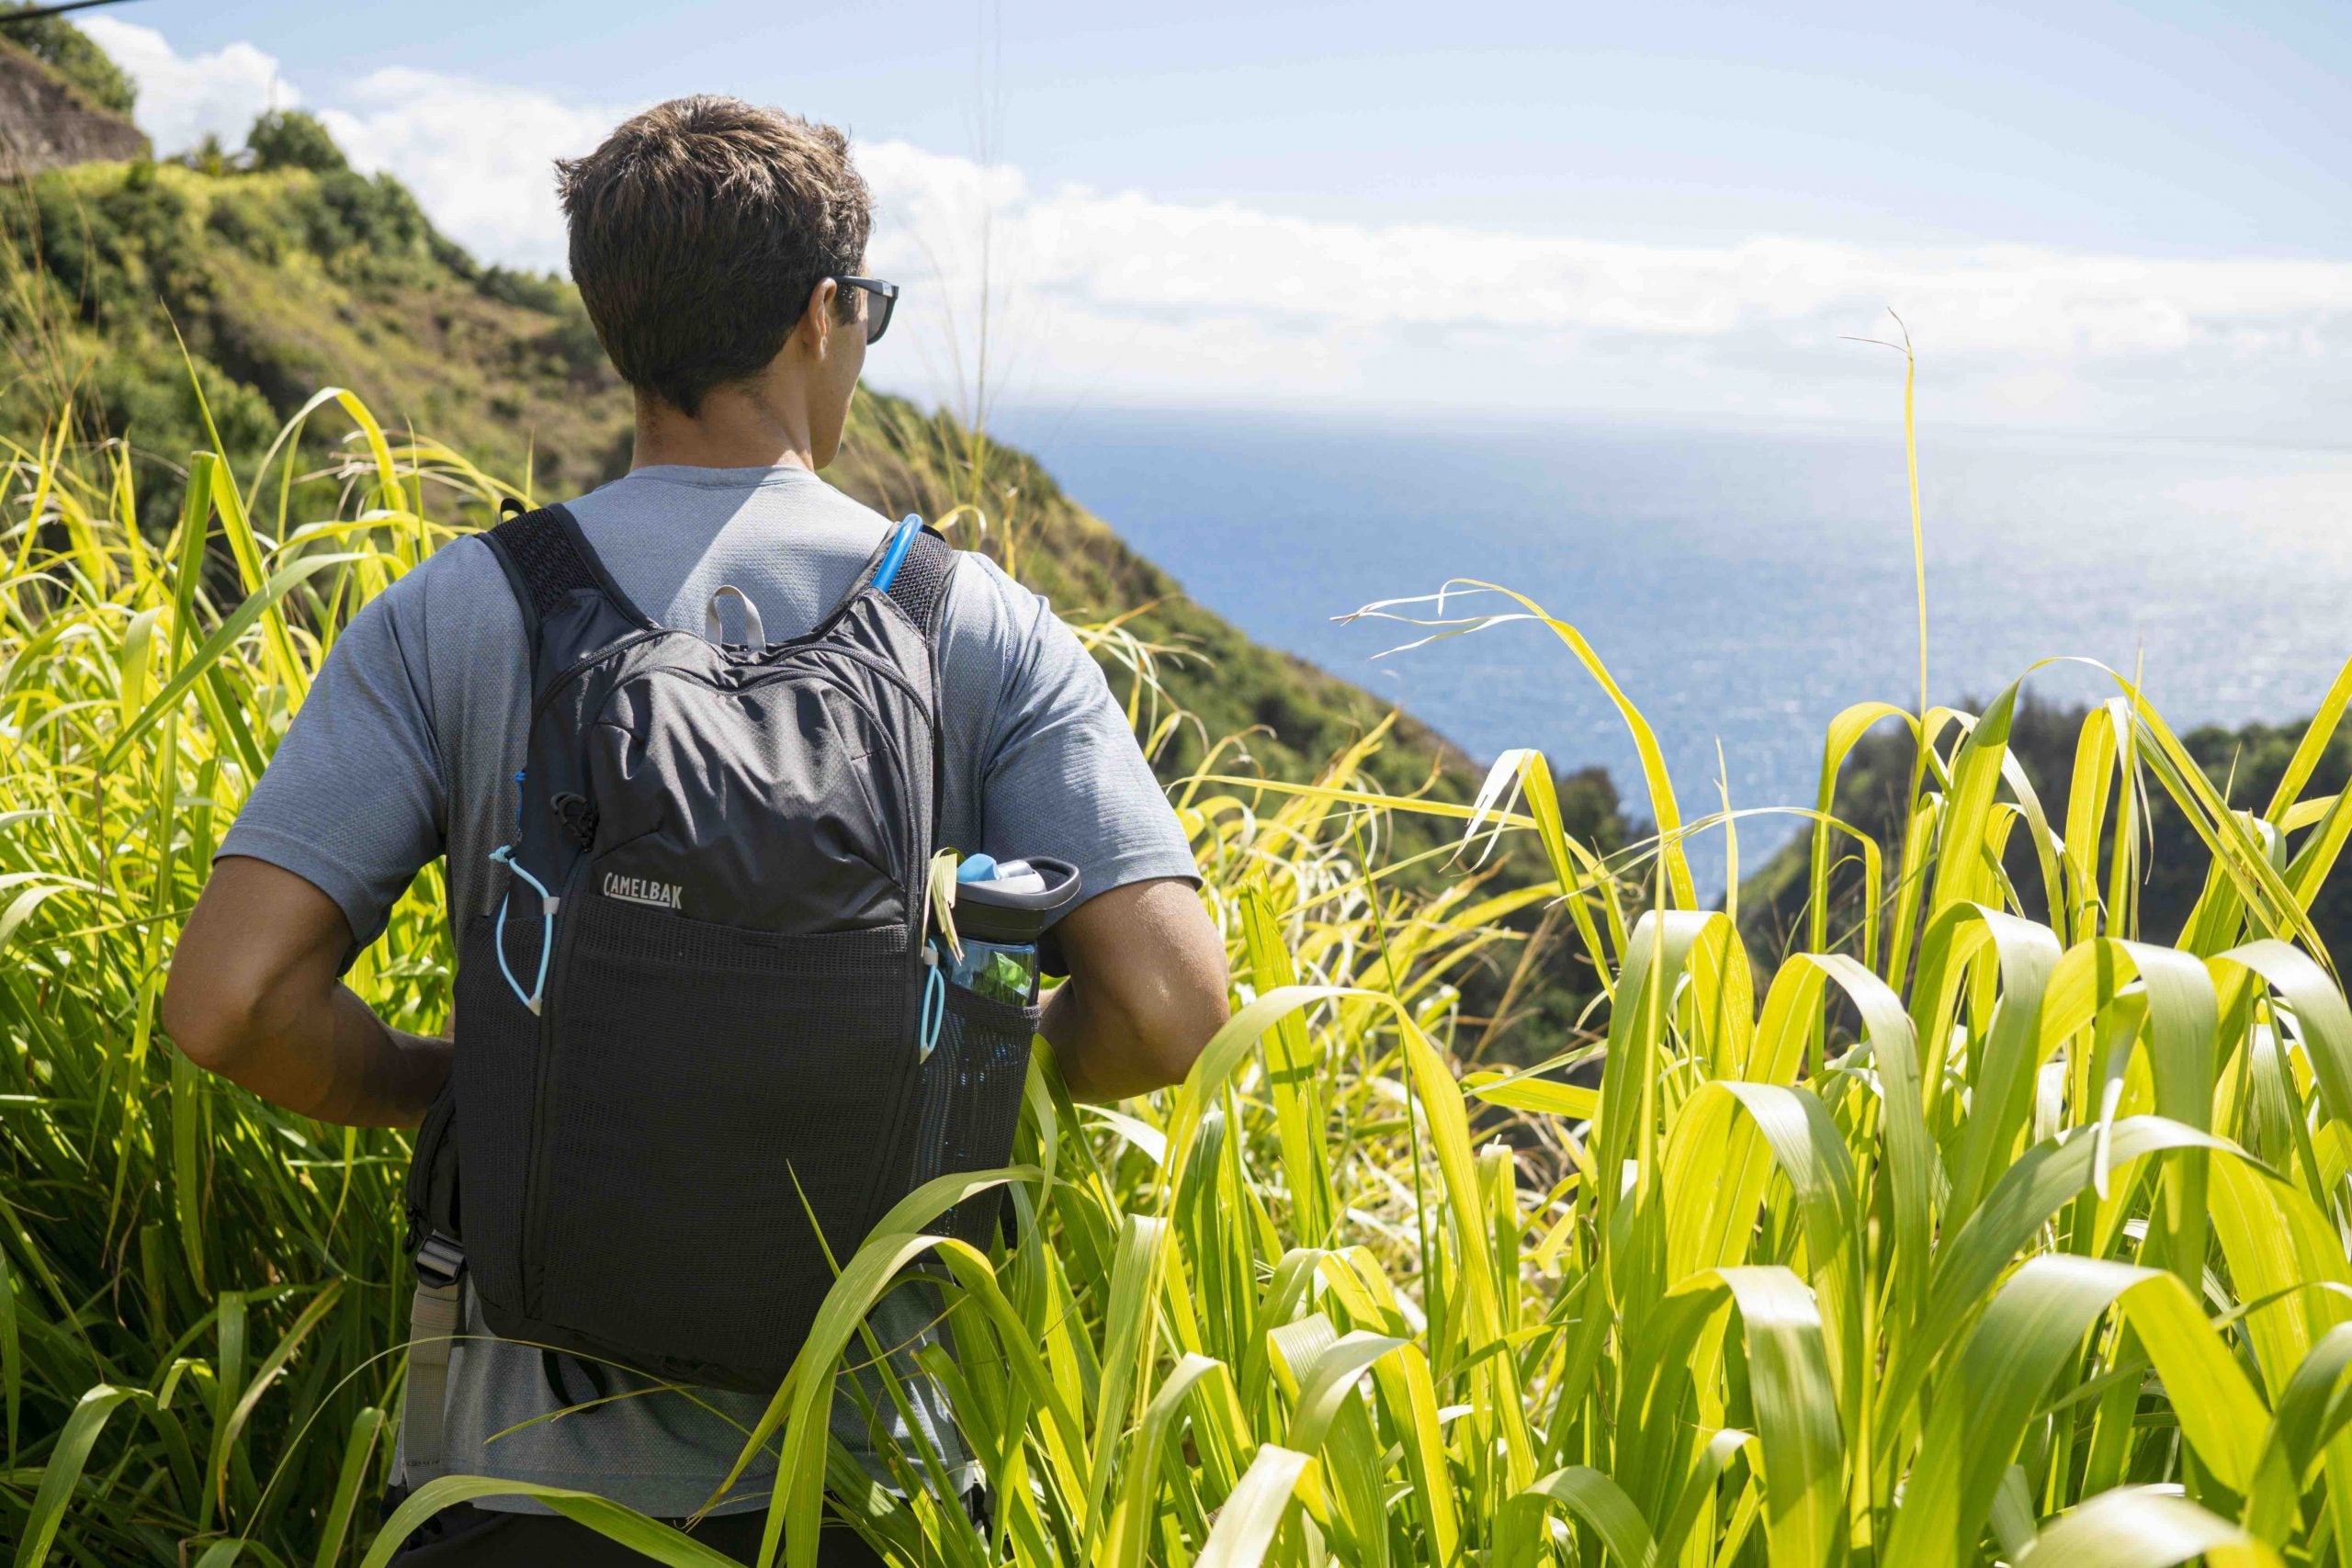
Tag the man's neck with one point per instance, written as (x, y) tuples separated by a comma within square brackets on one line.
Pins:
[(735, 427)]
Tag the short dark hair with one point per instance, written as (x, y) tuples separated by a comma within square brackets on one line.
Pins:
[(698, 231)]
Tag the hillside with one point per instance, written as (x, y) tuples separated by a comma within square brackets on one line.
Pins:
[(282, 280), (281, 270), (61, 100), (285, 280)]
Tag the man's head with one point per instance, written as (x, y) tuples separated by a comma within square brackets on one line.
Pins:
[(707, 239)]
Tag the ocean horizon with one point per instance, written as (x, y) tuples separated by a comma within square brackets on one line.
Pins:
[(1744, 586)]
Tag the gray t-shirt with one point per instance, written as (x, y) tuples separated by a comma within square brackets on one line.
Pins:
[(406, 749)]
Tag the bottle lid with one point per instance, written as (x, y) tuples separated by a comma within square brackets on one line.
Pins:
[(1016, 909)]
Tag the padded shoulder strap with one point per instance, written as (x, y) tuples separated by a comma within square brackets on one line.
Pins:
[(921, 586), (542, 563)]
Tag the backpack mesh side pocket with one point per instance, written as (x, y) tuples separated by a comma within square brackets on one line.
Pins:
[(972, 1091)]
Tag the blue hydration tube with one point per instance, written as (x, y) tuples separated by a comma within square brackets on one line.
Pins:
[(504, 856), (901, 542)]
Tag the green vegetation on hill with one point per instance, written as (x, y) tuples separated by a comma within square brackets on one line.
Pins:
[(279, 281), (67, 50), (2243, 764)]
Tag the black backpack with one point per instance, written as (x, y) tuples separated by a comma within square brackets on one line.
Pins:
[(687, 1079)]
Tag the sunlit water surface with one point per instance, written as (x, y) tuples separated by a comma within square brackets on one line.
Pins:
[(1744, 587)]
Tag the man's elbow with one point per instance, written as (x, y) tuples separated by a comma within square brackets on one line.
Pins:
[(1171, 1035), (213, 1024)]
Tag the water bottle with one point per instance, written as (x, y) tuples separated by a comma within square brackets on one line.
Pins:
[(1001, 909)]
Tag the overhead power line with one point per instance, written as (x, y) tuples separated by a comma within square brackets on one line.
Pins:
[(9, 18)]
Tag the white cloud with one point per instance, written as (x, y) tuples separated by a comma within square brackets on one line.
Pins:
[(182, 98), (1119, 296), (481, 157), (1122, 292)]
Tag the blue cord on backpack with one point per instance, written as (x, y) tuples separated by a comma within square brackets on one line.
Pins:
[(901, 542), (935, 1008), (504, 856)]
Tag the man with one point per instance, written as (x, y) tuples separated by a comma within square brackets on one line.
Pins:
[(717, 247)]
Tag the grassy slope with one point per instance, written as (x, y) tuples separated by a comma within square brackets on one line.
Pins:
[(280, 283), (61, 49)]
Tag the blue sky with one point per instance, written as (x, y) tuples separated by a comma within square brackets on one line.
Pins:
[(2185, 128), (2136, 219)]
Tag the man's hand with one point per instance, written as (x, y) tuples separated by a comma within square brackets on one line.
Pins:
[(256, 995), (1146, 989)]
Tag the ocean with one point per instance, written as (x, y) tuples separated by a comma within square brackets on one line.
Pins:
[(1743, 586)]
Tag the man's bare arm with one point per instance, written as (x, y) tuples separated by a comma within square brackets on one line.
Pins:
[(1147, 988), (256, 995)]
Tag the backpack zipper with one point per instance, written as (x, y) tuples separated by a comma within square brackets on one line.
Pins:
[(879, 665)]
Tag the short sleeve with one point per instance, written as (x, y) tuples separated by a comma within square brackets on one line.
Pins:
[(353, 800), (1055, 769)]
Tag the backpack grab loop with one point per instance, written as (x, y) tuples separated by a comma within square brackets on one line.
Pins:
[(504, 856), (755, 634)]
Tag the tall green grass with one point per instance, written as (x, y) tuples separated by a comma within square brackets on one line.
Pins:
[(1959, 1238)]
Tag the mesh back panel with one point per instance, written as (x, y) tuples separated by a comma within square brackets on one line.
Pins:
[(922, 577), (544, 553)]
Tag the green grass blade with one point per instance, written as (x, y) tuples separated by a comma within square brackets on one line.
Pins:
[(357, 1449), (63, 1469), (1602, 1506), (1246, 1525), (2142, 1527), (651, 1537)]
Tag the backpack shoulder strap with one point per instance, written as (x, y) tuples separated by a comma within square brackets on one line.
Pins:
[(542, 563), (920, 585)]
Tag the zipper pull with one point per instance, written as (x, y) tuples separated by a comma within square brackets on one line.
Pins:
[(578, 816)]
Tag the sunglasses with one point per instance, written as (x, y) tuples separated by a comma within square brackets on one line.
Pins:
[(882, 298)]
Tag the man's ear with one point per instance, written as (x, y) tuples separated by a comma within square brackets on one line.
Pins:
[(817, 322)]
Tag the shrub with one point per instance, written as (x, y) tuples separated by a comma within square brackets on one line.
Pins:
[(253, 233), (162, 414), (572, 342), (540, 291), (292, 138)]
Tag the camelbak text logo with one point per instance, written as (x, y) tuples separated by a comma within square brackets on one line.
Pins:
[(639, 890)]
